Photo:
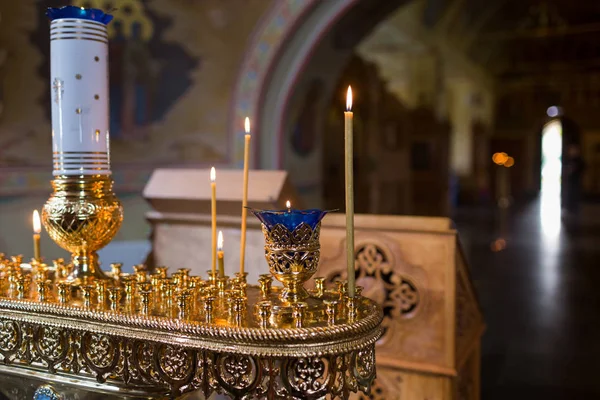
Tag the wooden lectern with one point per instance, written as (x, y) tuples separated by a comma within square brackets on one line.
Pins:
[(415, 268), (181, 217)]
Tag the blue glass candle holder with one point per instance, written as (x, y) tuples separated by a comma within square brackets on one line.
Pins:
[(292, 248)]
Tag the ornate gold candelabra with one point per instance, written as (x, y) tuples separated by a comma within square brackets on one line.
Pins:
[(145, 335), (154, 335), (83, 215)]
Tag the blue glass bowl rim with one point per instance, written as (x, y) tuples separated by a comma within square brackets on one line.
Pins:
[(90, 14)]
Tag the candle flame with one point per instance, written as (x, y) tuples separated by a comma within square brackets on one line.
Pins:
[(37, 226), (247, 125), (349, 99), (220, 241), (288, 204), (213, 174)]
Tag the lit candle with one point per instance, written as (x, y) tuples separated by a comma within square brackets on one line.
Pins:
[(288, 205), (220, 255), (213, 209), (37, 229), (245, 195), (348, 116)]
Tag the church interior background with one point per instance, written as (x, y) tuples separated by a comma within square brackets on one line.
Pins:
[(441, 88)]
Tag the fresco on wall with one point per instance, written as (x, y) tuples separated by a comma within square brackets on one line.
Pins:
[(173, 67)]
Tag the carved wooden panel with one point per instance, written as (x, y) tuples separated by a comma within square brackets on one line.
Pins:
[(433, 324)]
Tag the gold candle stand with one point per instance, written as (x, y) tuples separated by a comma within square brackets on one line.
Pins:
[(195, 336), (82, 215)]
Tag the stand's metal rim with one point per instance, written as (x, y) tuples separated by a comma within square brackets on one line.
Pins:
[(251, 341)]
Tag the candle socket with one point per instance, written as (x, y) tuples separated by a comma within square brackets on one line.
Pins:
[(298, 314), (116, 271), (331, 311), (237, 311), (22, 287), (358, 291), (264, 313), (351, 309), (265, 281), (87, 292), (162, 271), (140, 276), (101, 293), (222, 285), (139, 268), (319, 287), (145, 301), (64, 293), (242, 277), (212, 278), (168, 291), (114, 294), (42, 290), (61, 270), (183, 306), (208, 308), (129, 284), (342, 288)]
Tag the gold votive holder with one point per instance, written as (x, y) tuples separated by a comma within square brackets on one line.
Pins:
[(64, 292), (114, 295), (331, 311)]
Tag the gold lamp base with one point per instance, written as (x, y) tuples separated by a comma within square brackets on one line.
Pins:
[(83, 215)]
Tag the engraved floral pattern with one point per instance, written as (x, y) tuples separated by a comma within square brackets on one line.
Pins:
[(8, 335)]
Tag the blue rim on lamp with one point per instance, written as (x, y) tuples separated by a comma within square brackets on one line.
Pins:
[(290, 218), (90, 14)]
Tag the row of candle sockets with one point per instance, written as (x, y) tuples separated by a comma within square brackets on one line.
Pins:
[(180, 296)]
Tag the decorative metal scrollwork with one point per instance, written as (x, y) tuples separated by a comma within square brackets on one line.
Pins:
[(9, 335), (101, 354), (307, 378), (51, 345), (287, 250), (178, 370), (237, 374), (174, 362)]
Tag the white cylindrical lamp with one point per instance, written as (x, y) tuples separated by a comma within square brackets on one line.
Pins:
[(79, 91)]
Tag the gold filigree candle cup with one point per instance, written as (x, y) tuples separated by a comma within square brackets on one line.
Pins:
[(293, 258), (292, 248), (82, 215)]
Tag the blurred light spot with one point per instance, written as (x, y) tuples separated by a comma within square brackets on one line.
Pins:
[(552, 111), (500, 158), (509, 162), (498, 245)]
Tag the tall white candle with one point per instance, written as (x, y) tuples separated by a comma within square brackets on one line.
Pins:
[(245, 195), (79, 95), (213, 220), (348, 117)]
